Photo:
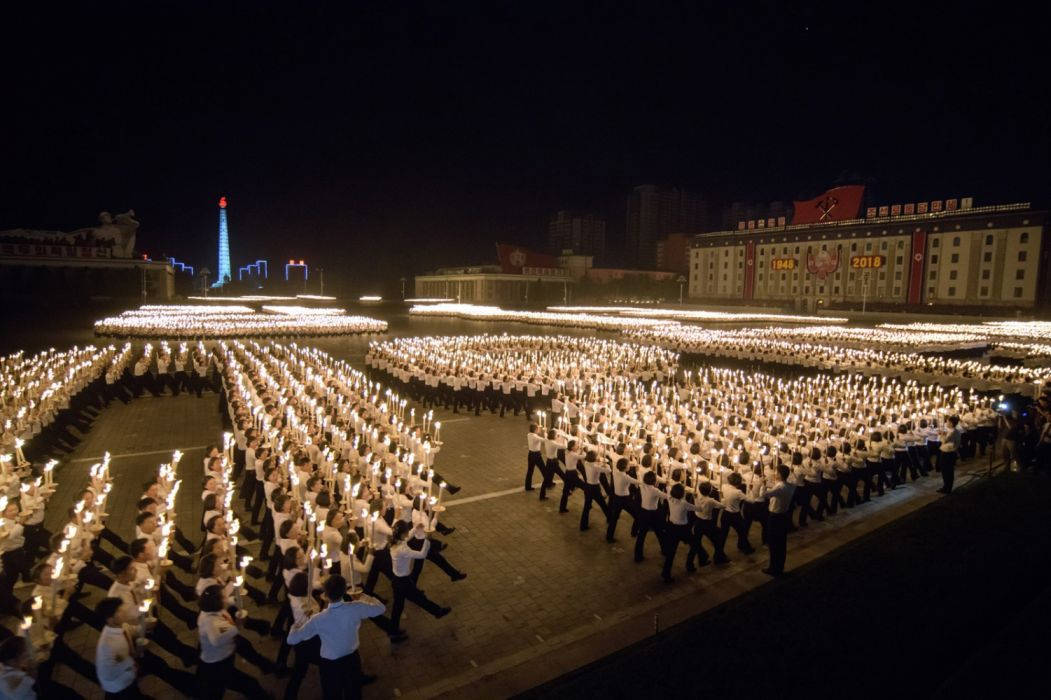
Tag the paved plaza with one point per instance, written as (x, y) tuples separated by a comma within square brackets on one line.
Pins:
[(541, 597)]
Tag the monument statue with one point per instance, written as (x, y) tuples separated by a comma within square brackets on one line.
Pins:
[(114, 232)]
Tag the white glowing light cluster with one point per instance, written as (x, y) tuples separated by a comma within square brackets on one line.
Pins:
[(1018, 330), (866, 338), (523, 358), (697, 315), (198, 309), (220, 322), (303, 311), (705, 425), (723, 421), (475, 312), (34, 389), (428, 300), (261, 297), (369, 448), (941, 370)]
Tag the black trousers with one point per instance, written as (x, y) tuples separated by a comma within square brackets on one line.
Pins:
[(777, 541), (571, 480), (551, 468), (214, 678), (381, 564), (308, 652), (616, 505), (675, 534), (947, 463), (405, 589), (592, 493), (736, 522), (341, 678), (647, 520), (534, 461)]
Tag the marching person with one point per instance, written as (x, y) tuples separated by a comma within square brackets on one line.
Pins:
[(218, 631), (779, 504), (337, 626), (534, 442), (404, 587)]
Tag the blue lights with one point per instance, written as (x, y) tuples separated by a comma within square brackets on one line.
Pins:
[(224, 275), (260, 269), (292, 264), (181, 267)]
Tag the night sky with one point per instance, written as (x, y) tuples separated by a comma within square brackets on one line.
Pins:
[(386, 139)]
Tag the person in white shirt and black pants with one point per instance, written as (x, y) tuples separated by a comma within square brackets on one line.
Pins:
[(780, 505), (402, 556), (218, 632)]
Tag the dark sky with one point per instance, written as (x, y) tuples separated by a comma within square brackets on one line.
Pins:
[(384, 138)]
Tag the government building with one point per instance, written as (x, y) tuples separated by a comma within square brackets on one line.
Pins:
[(921, 255)]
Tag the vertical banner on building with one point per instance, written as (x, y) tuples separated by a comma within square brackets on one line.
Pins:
[(749, 269), (919, 256)]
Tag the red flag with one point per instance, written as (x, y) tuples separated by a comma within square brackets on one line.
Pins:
[(837, 204), (513, 258)]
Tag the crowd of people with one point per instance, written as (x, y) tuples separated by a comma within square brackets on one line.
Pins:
[(321, 504), (516, 373), (320, 469), (696, 459), (224, 321), (699, 345)]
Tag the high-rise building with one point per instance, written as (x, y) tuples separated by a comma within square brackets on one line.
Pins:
[(224, 274), (584, 234), (653, 213)]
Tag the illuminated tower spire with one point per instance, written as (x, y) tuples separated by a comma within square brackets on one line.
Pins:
[(224, 275)]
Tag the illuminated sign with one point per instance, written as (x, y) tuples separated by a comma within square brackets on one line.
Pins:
[(783, 264), (864, 262)]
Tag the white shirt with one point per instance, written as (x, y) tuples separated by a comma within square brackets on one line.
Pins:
[(401, 556), (781, 498), (533, 441), (218, 636), (337, 625), (114, 664)]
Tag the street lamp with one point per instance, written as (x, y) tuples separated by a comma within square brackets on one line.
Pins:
[(681, 281)]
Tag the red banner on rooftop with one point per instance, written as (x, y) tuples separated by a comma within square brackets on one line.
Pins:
[(513, 258), (837, 204)]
